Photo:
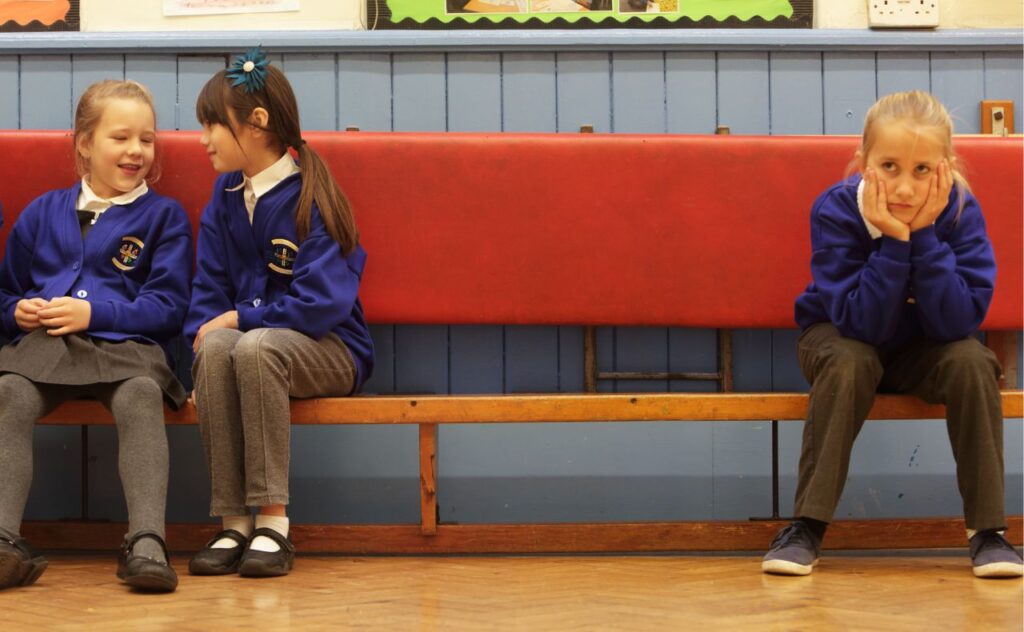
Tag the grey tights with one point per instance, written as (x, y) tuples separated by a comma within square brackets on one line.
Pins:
[(137, 406)]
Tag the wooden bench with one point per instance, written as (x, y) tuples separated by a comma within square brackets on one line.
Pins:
[(568, 229)]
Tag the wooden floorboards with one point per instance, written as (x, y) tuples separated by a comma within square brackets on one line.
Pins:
[(924, 591)]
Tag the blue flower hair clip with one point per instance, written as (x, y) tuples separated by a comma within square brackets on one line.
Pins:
[(249, 71)]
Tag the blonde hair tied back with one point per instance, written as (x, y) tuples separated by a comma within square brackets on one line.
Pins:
[(90, 111)]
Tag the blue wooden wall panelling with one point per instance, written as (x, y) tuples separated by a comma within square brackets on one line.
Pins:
[(159, 74), (193, 73), (902, 71), (87, 69), (849, 90), (691, 86), (584, 91), (364, 91), (958, 81), (1004, 80), (45, 92), (9, 98), (314, 79)]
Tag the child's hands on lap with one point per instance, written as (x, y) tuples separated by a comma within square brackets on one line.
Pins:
[(938, 196), (65, 315), (876, 209), (26, 313), (227, 320)]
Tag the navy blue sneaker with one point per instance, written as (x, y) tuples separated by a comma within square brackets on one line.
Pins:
[(794, 551), (993, 556)]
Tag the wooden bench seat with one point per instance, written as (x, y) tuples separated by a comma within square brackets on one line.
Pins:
[(565, 229), (550, 407)]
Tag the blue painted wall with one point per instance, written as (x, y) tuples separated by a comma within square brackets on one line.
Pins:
[(546, 472)]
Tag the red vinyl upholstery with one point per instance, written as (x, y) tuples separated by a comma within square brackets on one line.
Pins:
[(696, 231)]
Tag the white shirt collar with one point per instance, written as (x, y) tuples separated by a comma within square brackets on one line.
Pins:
[(872, 229), (89, 201), (259, 184)]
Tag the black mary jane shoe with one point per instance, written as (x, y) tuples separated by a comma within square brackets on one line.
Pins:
[(142, 572), (20, 564), (211, 561), (264, 564)]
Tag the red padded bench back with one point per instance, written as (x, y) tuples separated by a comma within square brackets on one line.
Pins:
[(701, 231)]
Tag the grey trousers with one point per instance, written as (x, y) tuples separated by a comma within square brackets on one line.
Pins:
[(845, 374), (137, 405), (243, 382)]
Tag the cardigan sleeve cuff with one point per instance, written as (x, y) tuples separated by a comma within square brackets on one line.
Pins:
[(895, 249), (250, 318), (101, 316), (924, 240), (10, 324)]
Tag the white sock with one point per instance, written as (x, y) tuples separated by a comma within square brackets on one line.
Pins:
[(241, 524), (973, 532), (277, 523)]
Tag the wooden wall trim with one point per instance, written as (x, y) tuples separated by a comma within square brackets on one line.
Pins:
[(409, 539), (519, 41)]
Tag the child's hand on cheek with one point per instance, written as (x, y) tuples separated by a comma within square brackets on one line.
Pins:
[(876, 209), (938, 196), (65, 315), (26, 313)]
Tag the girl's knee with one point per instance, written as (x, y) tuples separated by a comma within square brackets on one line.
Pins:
[(964, 359), (20, 398), (258, 346), (218, 343), (140, 389), (852, 359), (12, 384)]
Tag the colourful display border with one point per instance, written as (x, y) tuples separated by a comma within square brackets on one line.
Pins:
[(69, 22), (427, 14)]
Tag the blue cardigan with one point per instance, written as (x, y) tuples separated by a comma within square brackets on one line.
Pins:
[(263, 271), (133, 266), (888, 293)]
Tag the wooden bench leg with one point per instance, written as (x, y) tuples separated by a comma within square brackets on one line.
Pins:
[(428, 479)]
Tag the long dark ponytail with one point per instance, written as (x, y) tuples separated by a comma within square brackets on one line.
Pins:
[(218, 97)]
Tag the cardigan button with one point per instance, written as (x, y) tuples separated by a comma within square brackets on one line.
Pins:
[(76, 265)]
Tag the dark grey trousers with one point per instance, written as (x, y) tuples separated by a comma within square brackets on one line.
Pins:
[(845, 374), (243, 382)]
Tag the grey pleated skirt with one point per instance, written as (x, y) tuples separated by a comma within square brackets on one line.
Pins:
[(77, 359)]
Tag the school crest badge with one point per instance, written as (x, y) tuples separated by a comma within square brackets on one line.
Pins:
[(128, 253), (283, 258)]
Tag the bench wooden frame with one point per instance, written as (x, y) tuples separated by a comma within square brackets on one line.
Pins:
[(428, 412)]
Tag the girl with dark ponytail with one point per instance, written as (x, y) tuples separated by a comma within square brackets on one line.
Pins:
[(275, 311)]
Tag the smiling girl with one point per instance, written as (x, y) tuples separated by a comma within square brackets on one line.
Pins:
[(903, 274), (94, 280)]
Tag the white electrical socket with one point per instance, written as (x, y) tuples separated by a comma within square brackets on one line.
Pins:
[(903, 13)]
